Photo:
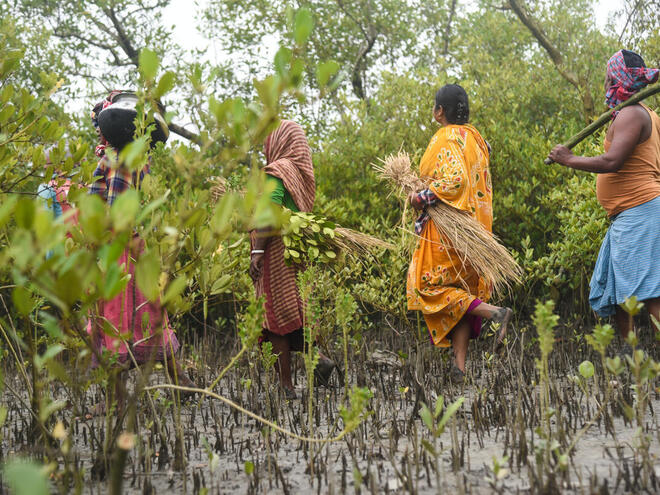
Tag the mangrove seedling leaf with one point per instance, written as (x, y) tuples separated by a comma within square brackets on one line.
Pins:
[(427, 417), (25, 478), (147, 273), (303, 25), (325, 71), (449, 413), (175, 288), (586, 369), (148, 63), (23, 300), (124, 209)]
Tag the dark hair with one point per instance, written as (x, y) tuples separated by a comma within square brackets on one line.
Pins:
[(632, 59), (454, 101)]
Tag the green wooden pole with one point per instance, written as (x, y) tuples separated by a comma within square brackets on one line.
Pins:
[(607, 116)]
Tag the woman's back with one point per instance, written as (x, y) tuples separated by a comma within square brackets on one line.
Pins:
[(457, 165)]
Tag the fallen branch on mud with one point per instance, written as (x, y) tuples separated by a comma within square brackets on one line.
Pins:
[(261, 419)]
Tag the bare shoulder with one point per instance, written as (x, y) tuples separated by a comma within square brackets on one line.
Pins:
[(634, 113), (636, 120)]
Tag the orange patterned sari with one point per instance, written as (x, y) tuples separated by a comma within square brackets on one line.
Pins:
[(455, 167)]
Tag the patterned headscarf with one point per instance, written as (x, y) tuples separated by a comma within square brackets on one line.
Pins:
[(626, 81), (289, 158)]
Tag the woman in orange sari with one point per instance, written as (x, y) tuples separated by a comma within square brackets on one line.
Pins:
[(449, 292)]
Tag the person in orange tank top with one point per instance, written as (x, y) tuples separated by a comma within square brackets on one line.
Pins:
[(628, 188)]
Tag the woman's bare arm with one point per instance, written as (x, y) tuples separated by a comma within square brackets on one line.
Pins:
[(630, 124)]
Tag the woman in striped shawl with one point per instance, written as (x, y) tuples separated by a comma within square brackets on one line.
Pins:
[(289, 168)]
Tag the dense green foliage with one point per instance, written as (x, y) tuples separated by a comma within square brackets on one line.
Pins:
[(358, 105), (360, 77), (518, 98)]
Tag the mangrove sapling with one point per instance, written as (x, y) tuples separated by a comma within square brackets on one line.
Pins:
[(640, 367), (179, 454), (436, 425), (122, 440), (14, 344), (250, 327), (268, 360), (306, 286), (545, 321), (644, 370), (600, 340), (345, 309), (499, 473)]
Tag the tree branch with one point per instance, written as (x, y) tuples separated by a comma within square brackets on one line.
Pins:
[(340, 3), (447, 33), (64, 35), (580, 83), (630, 16), (356, 76), (370, 35), (185, 133), (122, 38), (543, 40)]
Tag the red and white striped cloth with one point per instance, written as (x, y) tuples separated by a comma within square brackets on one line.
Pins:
[(289, 158)]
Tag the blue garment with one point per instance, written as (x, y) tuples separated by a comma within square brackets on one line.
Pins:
[(49, 195), (629, 259)]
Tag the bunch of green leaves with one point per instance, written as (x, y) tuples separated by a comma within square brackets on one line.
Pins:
[(600, 338), (309, 238), (565, 269)]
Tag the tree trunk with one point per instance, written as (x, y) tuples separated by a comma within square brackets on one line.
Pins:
[(580, 83)]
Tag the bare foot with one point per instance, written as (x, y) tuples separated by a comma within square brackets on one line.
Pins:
[(456, 375)]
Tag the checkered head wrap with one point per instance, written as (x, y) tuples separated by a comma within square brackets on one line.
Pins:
[(628, 74)]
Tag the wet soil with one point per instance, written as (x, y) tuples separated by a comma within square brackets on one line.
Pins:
[(225, 452)]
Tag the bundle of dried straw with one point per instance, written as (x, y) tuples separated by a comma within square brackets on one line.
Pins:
[(346, 240), (475, 246)]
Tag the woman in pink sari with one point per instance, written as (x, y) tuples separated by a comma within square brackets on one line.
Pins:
[(131, 327)]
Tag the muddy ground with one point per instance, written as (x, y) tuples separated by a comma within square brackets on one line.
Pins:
[(226, 452)]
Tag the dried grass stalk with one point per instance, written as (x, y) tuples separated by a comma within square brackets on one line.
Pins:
[(218, 189), (346, 240), (356, 242), (474, 245)]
